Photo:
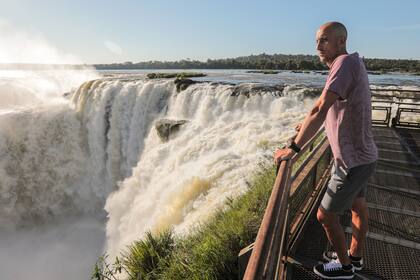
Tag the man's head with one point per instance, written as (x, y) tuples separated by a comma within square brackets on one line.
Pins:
[(331, 41)]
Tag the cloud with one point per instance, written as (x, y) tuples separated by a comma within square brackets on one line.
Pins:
[(113, 47), (22, 46)]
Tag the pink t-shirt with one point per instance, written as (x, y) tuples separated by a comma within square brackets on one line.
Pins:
[(349, 120)]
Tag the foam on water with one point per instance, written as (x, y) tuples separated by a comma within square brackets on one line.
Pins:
[(183, 181), (44, 209)]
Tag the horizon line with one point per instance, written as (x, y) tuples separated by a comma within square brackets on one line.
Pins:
[(183, 59)]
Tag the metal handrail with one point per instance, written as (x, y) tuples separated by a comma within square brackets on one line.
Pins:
[(397, 90), (402, 94), (390, 102), (262, 260), (271, 242)]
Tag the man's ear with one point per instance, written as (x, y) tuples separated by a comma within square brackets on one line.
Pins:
[(342, 40)]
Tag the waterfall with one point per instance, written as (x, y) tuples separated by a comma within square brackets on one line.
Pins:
[(183, 181), (100, 148)]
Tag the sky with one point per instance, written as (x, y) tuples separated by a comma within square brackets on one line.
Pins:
[(93, 31)]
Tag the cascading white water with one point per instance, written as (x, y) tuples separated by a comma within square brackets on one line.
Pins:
[(44, 211), (42, 158), (63, 158), (183, 181), (40, 165), (62, 161), (116, 117)]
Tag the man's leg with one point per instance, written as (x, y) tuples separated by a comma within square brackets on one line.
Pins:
[(359, 219), (335, 234)]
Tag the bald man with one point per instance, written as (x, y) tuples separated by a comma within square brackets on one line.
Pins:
[(344, 108)]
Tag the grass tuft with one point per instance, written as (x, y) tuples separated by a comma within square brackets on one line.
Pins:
[(147, 258)]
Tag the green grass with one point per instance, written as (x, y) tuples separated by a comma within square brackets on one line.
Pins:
[(211, 249)]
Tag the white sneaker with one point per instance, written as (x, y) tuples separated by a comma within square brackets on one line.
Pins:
[(333, 270), (331, 255)]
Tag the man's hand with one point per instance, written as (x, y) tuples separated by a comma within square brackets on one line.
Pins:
[(298, 126), (282, 154)]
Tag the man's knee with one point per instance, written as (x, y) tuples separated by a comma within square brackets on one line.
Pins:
[(359, 214), (359, 208), (324, 217)]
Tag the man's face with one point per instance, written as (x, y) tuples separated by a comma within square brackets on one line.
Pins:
[(327, 45)]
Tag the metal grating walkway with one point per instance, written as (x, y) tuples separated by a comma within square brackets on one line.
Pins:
[(393, 243)]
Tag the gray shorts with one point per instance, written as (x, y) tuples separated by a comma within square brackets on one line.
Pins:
[(344, 188)]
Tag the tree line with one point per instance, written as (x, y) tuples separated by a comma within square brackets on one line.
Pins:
[(266, 62)]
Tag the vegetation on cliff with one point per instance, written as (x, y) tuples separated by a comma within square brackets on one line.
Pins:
[(267, 62)]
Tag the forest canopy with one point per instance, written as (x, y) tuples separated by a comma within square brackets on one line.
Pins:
[(267, 61)]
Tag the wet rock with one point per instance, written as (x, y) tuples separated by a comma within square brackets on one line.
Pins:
[(183, 84), (256, 89), (374, 72), (266, 72), (312, 92), (179, 75), (165, 128)]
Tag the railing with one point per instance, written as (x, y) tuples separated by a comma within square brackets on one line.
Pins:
[(387, 110), (401, 102), (297, 175), (398, 122)]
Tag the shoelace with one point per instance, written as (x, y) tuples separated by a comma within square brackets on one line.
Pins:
[(332, 266), (334, 255)]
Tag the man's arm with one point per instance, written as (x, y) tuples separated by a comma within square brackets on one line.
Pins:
[(315, 117), (311, 124)]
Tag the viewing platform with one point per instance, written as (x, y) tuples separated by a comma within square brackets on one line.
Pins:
[(291, 241)]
